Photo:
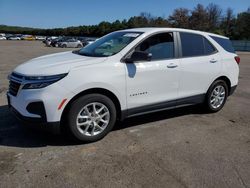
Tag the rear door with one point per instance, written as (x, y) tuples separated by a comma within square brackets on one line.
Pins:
[(199, 65)]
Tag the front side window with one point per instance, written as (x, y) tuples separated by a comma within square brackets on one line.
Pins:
[(110, 44), (161, 46)]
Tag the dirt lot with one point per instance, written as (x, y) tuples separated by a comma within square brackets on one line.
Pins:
[(176, 148)]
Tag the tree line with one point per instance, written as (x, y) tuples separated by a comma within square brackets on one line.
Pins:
[(211, 18)]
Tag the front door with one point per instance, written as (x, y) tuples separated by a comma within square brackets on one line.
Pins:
[(153, 84)]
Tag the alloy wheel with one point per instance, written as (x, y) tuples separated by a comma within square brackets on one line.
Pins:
[(92, 119), (217, 97)]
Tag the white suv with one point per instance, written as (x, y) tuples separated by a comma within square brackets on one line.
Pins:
[(140, 71)]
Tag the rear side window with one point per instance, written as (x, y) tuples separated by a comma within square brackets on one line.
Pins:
[(195, 45), (224, 43), (192, 45), (161, 46)]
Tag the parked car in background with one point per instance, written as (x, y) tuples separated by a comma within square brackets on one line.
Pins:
[(24, 36), (40, 38), (48, 40), (14, 37), (88, 41), (144, 70), (70, 43), (55, 42), (80, 38), (53, 37), (8, 36), (2, 38), (30, 37)]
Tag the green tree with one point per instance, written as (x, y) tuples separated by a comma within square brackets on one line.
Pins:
[(214, 13), (228, 23), (180, 18), (199, 18), (242, 30), (160, 22)]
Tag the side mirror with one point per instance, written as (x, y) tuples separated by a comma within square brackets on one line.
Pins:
[(139, 56)]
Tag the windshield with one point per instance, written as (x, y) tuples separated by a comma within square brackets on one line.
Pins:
[(109, 44)]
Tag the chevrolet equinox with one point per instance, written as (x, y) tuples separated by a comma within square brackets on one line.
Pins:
[(123, 74)]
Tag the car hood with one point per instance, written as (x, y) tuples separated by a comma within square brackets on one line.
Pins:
[(56, 64)]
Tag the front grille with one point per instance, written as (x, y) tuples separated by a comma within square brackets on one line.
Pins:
[(13, 87)]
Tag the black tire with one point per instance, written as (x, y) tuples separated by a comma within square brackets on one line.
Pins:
[(208, 105), (78, 105), (79, 46), (64, 46)]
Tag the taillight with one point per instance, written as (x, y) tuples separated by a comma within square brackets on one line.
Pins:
[(237, 59)]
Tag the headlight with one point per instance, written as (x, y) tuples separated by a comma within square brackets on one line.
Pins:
[(37, 82)]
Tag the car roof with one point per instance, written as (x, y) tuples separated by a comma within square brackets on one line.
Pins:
[(149, 30)]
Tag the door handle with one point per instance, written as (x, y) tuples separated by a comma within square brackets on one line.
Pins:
[(171, 65), (213, 61)]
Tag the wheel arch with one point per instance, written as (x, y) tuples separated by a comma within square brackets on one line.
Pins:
[(101, 91), (227, 80)]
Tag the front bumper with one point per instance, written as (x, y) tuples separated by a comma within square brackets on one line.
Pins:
[(232, 90), (42, 119), (54, 127), (40, 104)]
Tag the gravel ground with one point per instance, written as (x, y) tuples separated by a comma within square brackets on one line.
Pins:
[(177, 148)]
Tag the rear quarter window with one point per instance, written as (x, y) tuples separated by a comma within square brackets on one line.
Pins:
[(226, 44), (209, 48)]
